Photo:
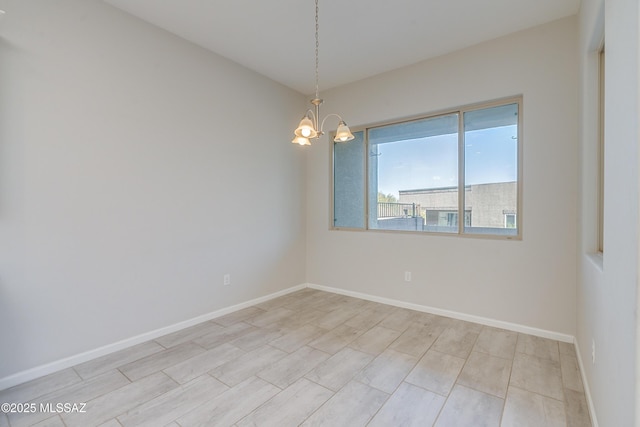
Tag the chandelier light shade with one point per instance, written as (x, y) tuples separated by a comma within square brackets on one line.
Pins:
[(343, 133), (308, 128), (301, 140)]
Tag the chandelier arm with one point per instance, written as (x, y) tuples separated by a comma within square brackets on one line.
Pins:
[(314, 118), (310, 111), (327, 116)]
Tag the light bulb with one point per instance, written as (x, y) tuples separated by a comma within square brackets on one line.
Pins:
[(306, 132)]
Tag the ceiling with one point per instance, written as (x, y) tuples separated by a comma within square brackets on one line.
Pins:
[(358, 38)]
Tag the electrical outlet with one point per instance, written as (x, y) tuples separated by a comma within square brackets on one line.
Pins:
[(407, 276), (226, 279), (593, 351)]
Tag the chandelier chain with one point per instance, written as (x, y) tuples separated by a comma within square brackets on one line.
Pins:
[(310, 126), (317, 48)]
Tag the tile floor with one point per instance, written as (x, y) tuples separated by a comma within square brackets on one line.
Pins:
[(314, 358)]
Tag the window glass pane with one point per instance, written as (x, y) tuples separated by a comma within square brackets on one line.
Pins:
[(491, 170), (348, 173), (413, 175)]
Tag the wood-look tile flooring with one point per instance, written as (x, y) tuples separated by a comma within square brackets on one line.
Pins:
[(314, 358)]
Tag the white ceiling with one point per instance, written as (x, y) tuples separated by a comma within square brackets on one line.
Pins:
[(358, 38)]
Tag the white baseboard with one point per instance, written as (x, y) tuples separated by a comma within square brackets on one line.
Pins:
[(585, 385), (453, 314), (58, 365)]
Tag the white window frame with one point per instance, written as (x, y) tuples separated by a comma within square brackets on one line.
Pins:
[(600, 153), (461, 193)]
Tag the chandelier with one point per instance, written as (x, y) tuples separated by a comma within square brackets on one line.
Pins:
[(308, 127)]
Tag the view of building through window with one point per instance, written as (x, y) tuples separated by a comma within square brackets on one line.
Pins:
[(491, 205)]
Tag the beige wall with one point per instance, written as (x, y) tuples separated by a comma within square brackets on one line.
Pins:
[(608, 285), (530, 282), (127, 181)]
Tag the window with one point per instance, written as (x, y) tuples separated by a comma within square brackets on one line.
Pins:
[(425, 174), (408, 161), (510, 220)]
